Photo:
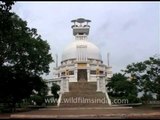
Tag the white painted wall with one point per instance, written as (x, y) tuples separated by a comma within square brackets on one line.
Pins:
[(93, 78)]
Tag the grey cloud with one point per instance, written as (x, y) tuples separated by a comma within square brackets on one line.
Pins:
[(129, 32), (130, 23), (104, 27)]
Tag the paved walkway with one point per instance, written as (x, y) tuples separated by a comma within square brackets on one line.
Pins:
[(94, 113)]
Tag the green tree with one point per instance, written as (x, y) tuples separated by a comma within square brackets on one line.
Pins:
[(24, 56), (120, 87), (40, 96), (54, 89), (6, 5), (145, 75)]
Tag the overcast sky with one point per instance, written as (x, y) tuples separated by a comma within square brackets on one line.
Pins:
[(129, 31)]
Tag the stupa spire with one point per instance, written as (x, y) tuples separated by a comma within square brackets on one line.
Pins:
[(80, 26)]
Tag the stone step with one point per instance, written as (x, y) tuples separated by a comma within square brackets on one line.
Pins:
[(83, 94), (83, 102), (74, 105), (82, 86)]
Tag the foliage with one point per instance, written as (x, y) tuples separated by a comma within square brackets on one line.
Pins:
[(119, 86), (54, 89), (39, 97), (24, 56), (6, 5), (138, 77), (146, 76)]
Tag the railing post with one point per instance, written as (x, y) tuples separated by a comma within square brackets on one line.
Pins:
[(67, 85), (62, 86), (103, 85), (98, 84), (107, 96), (59, 99)]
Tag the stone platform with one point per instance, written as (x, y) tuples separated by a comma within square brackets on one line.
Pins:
[(94, 113)]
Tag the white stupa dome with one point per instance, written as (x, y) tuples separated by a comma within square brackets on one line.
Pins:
[(70, 52)]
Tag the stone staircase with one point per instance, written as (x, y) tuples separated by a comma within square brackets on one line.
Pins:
[(83, 94)]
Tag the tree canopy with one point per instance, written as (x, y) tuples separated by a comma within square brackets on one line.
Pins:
[(24, 56), (146, 76), (141, 77), (54, 89), (120, 87)]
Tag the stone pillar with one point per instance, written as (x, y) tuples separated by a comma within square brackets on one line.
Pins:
[(103, 85), (75, 75), (109, 100), (98, 84), (88, 75), (64, 85), (67, 85), (88, 72), (61, 86)]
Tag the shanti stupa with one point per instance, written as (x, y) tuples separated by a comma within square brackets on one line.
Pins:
[(81, 61)]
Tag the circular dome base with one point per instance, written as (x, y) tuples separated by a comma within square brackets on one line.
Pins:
[(71, 52)]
